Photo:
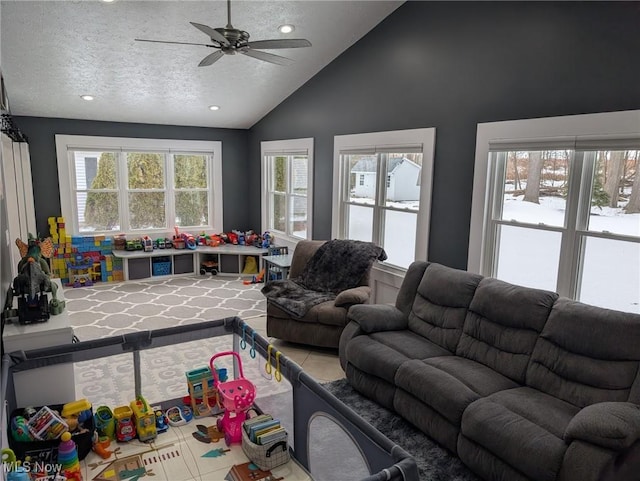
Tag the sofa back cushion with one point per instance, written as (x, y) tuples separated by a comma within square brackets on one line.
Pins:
[(503, 324), (407, 293), (303, 252), (440, 304), (587, 354)]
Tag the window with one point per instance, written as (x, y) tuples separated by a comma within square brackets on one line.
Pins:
[(112, 184), (390, 204), (287, 179), (563, 214)]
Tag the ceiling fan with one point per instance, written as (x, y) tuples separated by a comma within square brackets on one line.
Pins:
[(229, 41)]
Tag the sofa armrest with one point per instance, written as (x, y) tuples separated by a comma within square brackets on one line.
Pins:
[(356, 295), (613, 425), (378, 317)]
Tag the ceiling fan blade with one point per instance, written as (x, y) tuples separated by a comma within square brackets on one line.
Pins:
[(280, 43), (179, 43), (213, 33), (211, 58), (267, 57)]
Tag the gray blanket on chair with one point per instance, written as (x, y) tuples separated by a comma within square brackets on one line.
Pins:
[(336, 266)]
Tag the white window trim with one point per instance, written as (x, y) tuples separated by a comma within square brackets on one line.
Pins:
[(395, 138), (285, 146), (65, 142), (599, 124)]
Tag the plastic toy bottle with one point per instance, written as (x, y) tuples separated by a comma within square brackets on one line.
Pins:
[(68, 458)]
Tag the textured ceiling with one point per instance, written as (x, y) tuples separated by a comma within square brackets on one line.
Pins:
[(55, 51)]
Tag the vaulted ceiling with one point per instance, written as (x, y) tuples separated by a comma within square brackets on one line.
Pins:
[(53, 52)]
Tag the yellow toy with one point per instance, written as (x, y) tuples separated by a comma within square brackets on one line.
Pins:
[(145, 419), (75, 408)]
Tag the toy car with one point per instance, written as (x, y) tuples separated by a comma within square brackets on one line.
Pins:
[(125, 427), (162, 423), (134, 245), (209, 266)]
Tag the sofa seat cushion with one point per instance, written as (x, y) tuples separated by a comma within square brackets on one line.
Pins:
[(523, 427), (382, 353), (449, 384), (324, 313)]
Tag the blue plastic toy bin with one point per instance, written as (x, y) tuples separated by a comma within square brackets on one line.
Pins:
[(161, 266)]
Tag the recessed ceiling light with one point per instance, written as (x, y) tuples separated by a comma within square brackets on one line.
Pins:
[(86, 97), (214, 107), (108, 1), (286, 28)]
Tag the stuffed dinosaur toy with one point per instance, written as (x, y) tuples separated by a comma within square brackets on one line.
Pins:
[(34, 280)]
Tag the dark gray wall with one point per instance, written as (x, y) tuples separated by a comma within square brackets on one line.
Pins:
[(451, 65), (44, 166)]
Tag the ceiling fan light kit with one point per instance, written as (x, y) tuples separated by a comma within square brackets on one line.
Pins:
[(229, 40)]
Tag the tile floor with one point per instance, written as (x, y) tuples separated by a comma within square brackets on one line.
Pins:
[(322, 364)]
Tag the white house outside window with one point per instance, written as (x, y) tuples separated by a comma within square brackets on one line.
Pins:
[(389, 205), (139, 185), (563, 214), (287, 168)]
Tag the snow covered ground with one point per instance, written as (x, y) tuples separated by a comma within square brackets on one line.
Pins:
[(530, 257), (611, 269)]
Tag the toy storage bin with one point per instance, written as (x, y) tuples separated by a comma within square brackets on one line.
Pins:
[(161, 266), (47, 451), (266, 456)]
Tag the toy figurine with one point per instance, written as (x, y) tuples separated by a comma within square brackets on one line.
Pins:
[(33, 281)]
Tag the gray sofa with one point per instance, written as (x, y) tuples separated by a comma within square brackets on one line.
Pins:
[(321, 325), (520, 383)]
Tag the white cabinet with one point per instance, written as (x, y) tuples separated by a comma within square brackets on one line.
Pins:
[(47, 385), (231, 259), (161, 262)]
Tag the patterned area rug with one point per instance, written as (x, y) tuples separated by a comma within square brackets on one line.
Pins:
[(115, 309), (107, 310), (434, 462)]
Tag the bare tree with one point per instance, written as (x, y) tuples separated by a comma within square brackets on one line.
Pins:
[(532, 190), (614, 174), (633, 206), (516, 174)]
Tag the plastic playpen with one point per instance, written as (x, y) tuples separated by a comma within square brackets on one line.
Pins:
[(384, 459)]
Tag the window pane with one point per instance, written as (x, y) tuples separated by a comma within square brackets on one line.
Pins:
[(190, 172), (98, 211), (611, 274), (400, 237), (298, 217), (528, 257), (192, 208), (360, 225), (535, 187), (403, 181), (146, 210), (145, 170), (362, 178), (278, 215), (279, 174), (299, 175), (615, 206), (95, 170)]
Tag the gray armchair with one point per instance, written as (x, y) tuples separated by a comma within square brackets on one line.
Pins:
[(311, 306)]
